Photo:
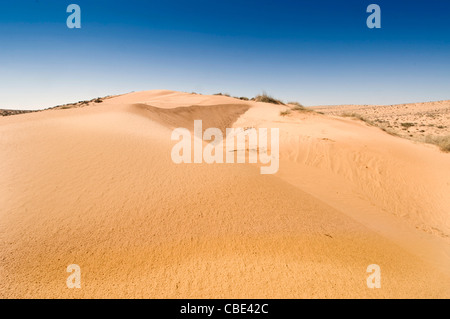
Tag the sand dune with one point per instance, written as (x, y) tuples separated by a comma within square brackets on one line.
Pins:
[(96, 186)]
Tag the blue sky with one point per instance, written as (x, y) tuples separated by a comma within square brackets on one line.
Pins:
[(315, 52)]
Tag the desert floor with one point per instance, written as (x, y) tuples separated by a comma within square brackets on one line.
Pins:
[(415, 121), (94, 184)]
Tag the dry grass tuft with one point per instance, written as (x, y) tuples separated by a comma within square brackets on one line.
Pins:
[(267, 99), (296, 104), (356, 116), (442, 141), (298, 107)]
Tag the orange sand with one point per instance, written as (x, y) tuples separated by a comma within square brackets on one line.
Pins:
[(96, 186)]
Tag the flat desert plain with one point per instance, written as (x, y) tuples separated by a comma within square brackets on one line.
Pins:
[(93, 184)]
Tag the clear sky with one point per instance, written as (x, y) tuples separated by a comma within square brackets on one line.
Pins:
[(315, 52)]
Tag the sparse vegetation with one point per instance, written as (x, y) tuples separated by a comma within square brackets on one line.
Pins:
[(356, 116), (389, 130), (243, 98), (14, 112), (296, 104), (407, 125), (80, 103), (422, 123), (442, 141), (223, 94), (298, 107), (285, 112), (267, 99), (57, 107)]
